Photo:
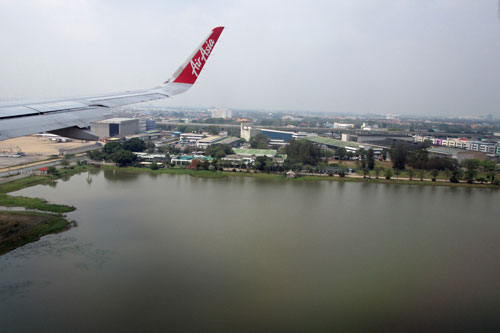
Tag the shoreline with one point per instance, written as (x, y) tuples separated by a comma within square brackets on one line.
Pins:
[(224, 174), (39, 218)]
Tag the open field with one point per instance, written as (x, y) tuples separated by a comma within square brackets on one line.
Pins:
[(35, 148)]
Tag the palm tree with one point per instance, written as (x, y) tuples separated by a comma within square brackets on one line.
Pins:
[(434, 174), (366, 172), (421, 174), (448, 173)]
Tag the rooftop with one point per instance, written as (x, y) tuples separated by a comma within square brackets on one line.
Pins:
[(332, 142), (115, 120), (444, 150), (211, 139), (228, 140), (256, 152)]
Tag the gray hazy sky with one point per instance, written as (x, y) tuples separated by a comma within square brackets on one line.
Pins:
[(433, 57)]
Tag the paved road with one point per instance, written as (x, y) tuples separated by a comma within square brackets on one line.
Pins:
[(26, 170)]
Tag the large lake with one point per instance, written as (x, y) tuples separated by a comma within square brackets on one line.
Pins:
[(179, 253)]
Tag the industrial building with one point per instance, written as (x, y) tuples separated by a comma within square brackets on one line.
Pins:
[(278, 135), (115, 127), (247, 132), (349, 137)]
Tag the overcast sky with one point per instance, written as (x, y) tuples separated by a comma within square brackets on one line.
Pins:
[(429, 57)]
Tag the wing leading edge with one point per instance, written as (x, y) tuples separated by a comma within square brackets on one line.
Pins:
[(70, 116)]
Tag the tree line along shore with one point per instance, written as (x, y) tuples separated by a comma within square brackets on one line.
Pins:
[(305, 159)]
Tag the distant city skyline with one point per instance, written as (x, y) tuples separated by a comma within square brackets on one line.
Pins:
[(437, 58)]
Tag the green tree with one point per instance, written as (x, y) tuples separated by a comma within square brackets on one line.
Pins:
[(302, 151), (370, 156), (112, 147), (447, 173), (377, 171), (362, 158), (434, 174), (260, 141), (342, 171), (411, 173), (96, 155), (399, 155), (214, 130), (489, 167), (123, 157), (341, 153), (456, 175), (397, 172), (51, 170), (421, 173), (388, 174), (418, 158), (218, 151), (154, 166), (263, 163), (471, 165), (135, 145), (481, 179), (366, 172)]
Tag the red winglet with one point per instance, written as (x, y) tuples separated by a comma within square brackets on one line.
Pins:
[(193, 66)]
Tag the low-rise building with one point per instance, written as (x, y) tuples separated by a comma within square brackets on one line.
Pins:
[(208, 141), (468, 154), (255, 152), (334, 143), (187, 159), (190, 138), (444, 152)]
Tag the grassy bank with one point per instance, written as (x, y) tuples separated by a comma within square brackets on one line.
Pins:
[(394, 181), (176, 171), (33, 203), (21, 183), (19, 228), (195, 173)]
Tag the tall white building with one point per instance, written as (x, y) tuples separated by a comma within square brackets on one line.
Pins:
[(221, 113)]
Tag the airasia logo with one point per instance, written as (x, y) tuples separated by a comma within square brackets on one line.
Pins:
[(197, 64)]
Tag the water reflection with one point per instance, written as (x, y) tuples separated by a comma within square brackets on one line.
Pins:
[(114, 176), (251, 254)]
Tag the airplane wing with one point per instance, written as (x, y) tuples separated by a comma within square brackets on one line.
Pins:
[(71, 116)]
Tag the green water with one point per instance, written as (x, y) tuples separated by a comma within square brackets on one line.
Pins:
[(179, 253)]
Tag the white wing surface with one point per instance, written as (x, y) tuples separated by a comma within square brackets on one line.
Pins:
[(71, 116)]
